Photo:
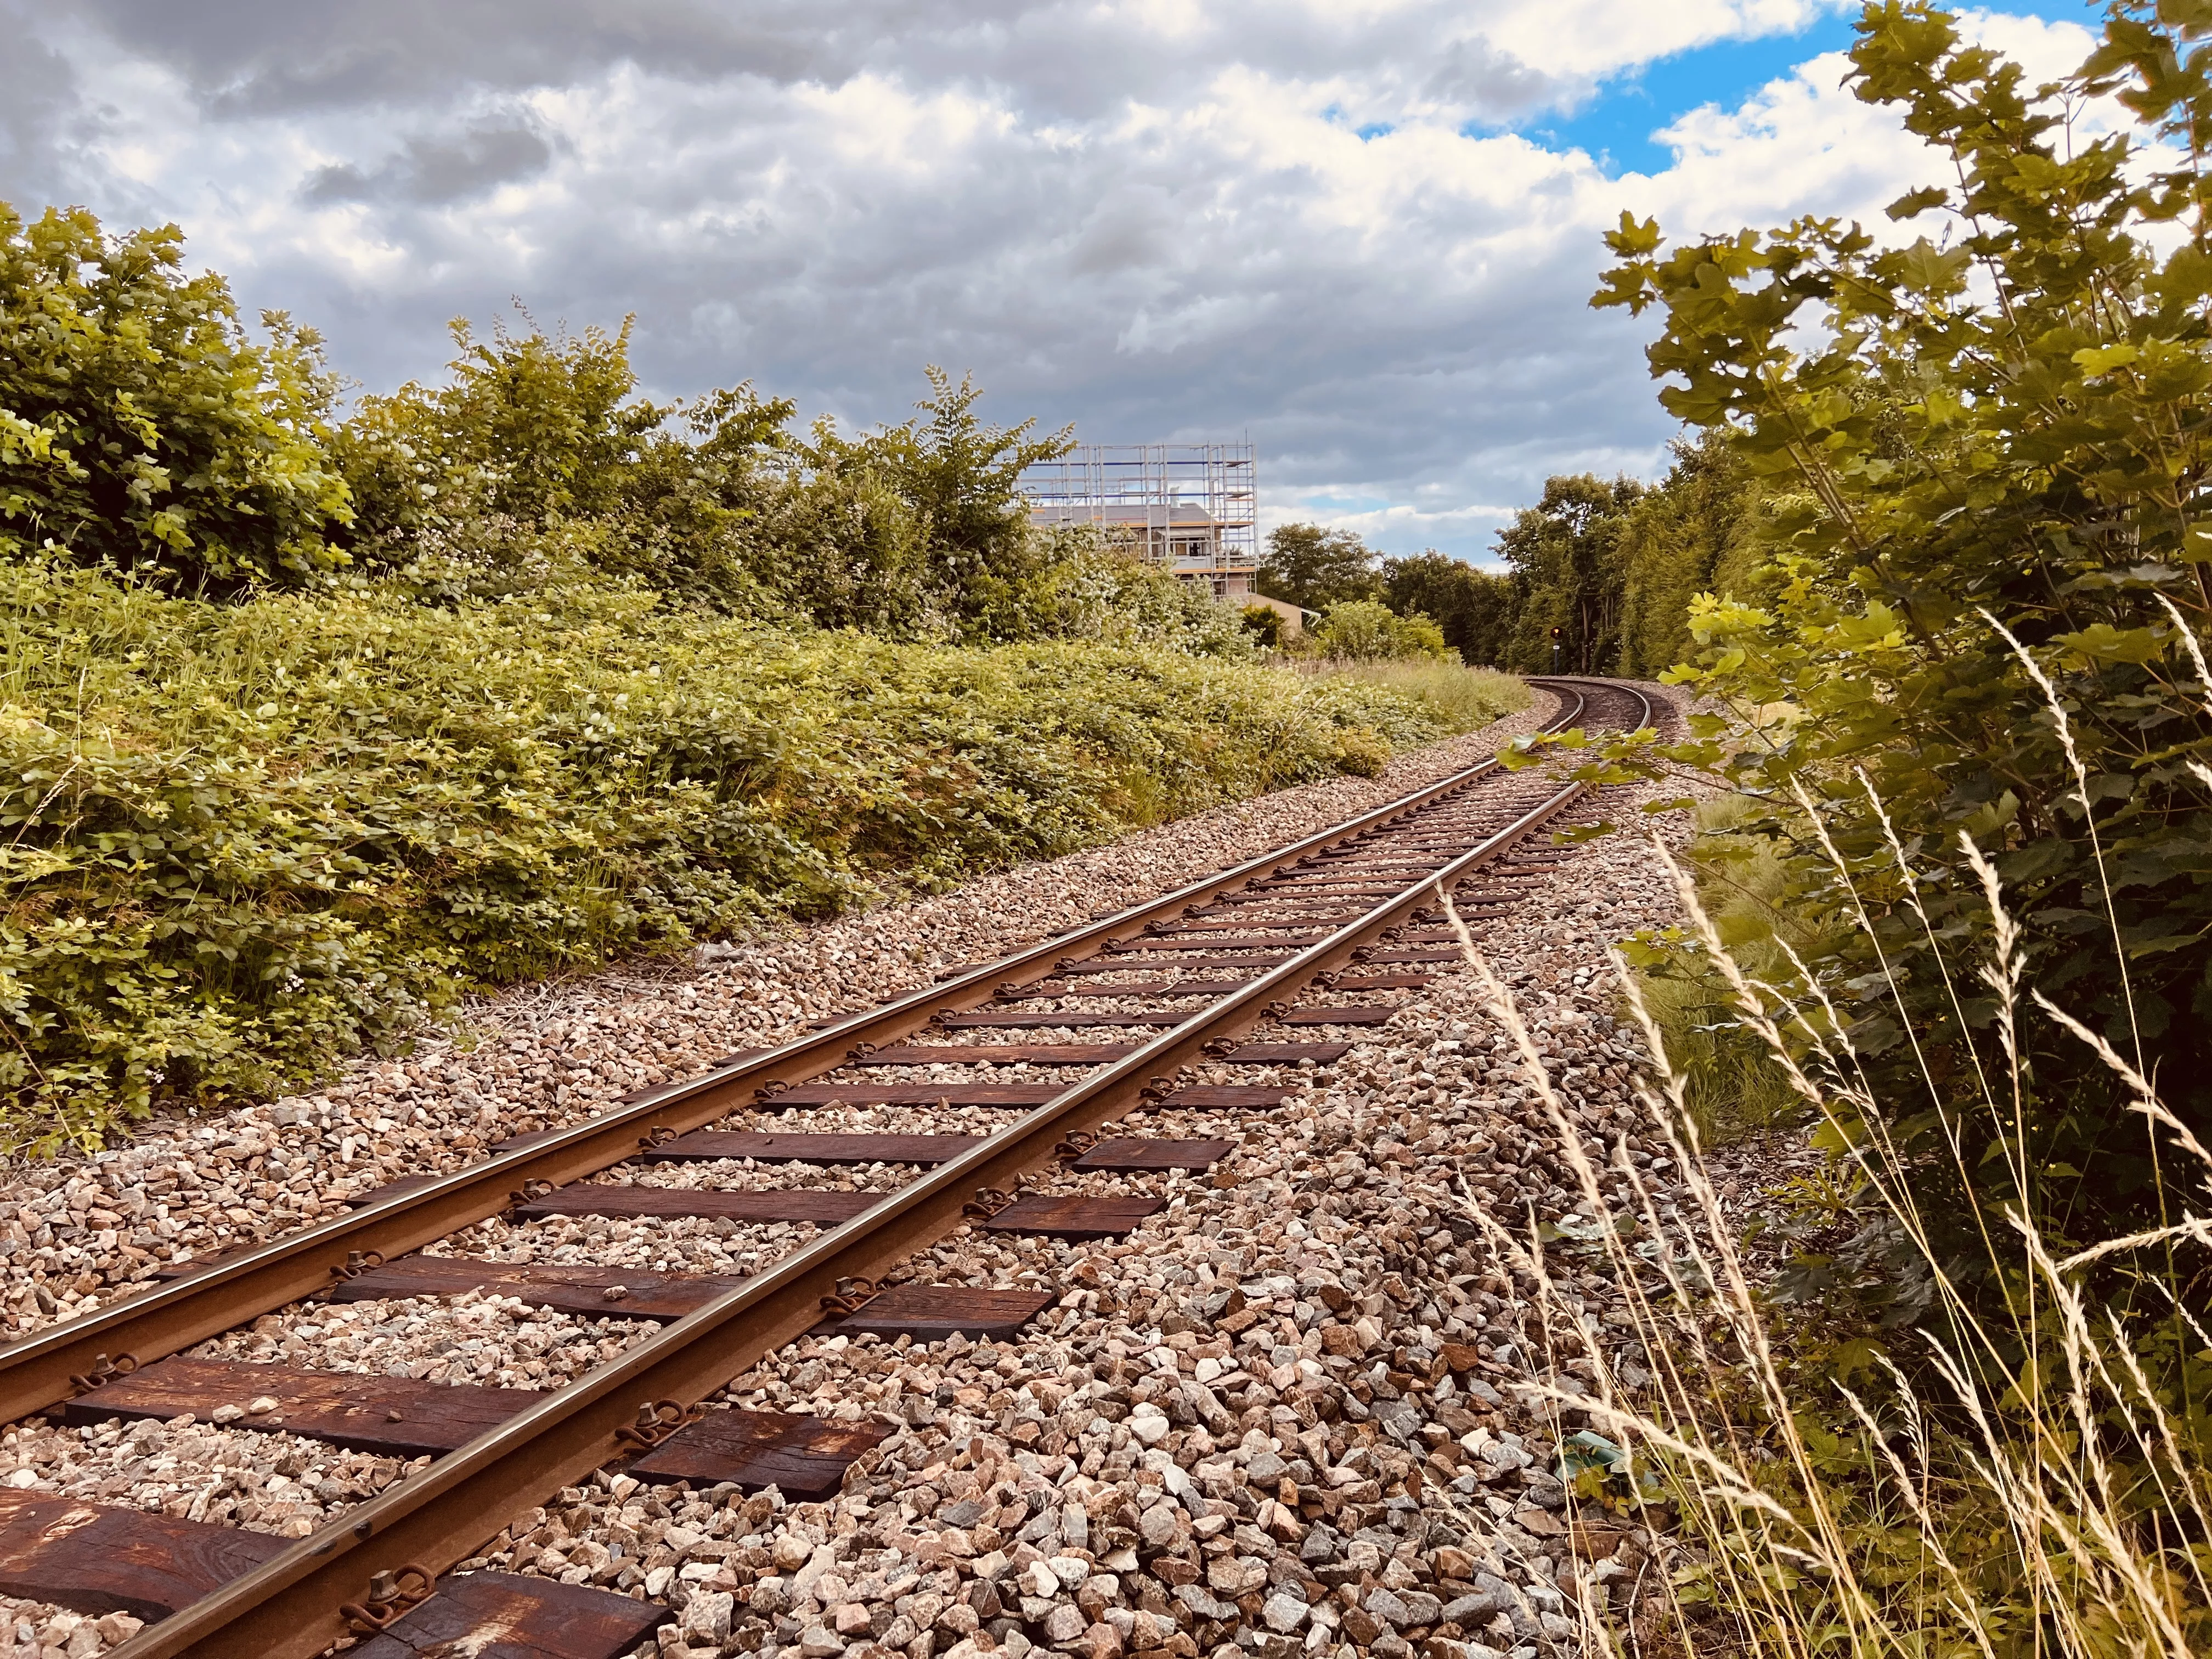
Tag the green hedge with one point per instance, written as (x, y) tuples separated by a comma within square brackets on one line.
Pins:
[(242, 841)]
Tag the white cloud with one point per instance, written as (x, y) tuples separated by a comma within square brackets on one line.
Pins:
[(1156, 218)]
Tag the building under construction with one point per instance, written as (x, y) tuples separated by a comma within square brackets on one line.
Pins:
[(1190, 508)]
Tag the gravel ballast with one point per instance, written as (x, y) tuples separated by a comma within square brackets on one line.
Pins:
[(1289, 1413), (1293, 1413)]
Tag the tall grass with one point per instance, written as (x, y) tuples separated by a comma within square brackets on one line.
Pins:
[(1459, 698), (2027, 1471), (1732, 1085)]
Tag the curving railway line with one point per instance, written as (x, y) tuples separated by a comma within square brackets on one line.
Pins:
[(1210, 996)]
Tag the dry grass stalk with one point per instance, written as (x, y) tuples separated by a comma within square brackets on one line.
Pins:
[(2106, 1563)]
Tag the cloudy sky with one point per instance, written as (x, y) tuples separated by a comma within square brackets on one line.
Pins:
[(1359, 232)]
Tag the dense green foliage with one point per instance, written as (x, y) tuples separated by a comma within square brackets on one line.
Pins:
[(1699, 530), (1598, 576), (1364, 630), (1614, 566), (914, 531), (1314, 568), (1563, 557), (1475, 610), (1988, 592), (243, 839), (1334, 571), (139, 427)]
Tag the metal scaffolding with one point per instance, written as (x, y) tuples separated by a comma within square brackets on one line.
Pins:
[(1190, 508)]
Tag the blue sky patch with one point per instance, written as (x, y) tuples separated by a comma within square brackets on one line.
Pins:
[(1615, 127)]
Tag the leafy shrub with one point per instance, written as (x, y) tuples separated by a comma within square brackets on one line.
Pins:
[(914, 531), (140, 428), (1263, 624), (1986, 605), (1364, 630), (531, 434), (241, 841)]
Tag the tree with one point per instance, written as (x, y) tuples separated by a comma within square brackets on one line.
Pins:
[(957, 475), (1695, 532), (1563, 554), (1992, 461), (1476, 609), (1313, 568), (141, 429)]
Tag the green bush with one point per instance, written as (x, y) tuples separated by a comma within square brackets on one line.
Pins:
[(1263, 623), (139, 428), (1365, 630), (242, 840), (915, 531), (1084, 589)]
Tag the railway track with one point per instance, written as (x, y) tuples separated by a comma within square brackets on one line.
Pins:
[(1218, 995)]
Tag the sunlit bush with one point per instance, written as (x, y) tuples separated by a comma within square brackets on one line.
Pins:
[(241, 841)]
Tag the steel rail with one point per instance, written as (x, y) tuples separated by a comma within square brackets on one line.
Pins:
[(287, 1607), (47, 1366)]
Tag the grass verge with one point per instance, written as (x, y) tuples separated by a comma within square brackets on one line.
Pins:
[(1459, 698), (1732, 1087), (2022, 1469)]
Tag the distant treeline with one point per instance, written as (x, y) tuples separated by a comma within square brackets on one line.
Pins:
[(1611, 565)]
